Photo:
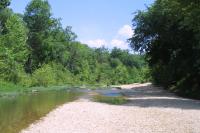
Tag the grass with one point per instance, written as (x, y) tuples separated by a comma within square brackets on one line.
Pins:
[(119, 100), (10, 87)]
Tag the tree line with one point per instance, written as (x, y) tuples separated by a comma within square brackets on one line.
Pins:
[(35, 50), (169, 33)]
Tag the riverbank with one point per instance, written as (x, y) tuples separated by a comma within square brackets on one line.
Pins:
[(149, 110), (10, 89)]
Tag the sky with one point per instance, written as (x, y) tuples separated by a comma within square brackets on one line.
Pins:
[(96, 22)]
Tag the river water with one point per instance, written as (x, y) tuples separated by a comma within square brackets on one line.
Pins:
[(19, 111)]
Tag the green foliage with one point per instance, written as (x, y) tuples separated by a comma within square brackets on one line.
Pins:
[(47, 39), (121, 74), (44, 76), (4, 4), (38, 16), (39, 22), (69, 34), (35, 50), (9, 87), (24, 79), (105, 74), (51, 74), (4, 14), (13, 50), (169, 32)]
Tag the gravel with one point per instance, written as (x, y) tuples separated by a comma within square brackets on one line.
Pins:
[(150, 110)]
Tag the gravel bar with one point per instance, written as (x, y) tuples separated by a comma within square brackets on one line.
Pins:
[(149, 110)]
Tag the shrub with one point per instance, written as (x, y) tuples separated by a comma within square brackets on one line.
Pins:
[(44, 76), (52, 74), (8, 86), (25, 79), (62, 75)]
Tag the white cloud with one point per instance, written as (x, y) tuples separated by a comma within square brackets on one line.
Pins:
[(95, 43), (119, 44), (119, 41), (126, 31)]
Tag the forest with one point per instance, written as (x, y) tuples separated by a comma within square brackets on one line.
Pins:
[(35, 50), (168, 32), (53, 82)]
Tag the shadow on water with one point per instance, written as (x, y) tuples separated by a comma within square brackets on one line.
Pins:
[(150, 96), (17, 112), (109, 92), (165, 103)]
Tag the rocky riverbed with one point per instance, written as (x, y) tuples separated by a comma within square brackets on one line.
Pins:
[(149, 110)]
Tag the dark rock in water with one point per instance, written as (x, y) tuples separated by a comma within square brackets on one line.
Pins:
[(119, 88), (112, 94)]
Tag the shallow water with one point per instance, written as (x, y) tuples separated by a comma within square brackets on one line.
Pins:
[(113, 94), (109, 92), (17, 112)]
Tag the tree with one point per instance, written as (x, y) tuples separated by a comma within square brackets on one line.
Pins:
[(47, 39), (4, 14), (102, 55), (35, 50), (120, 75), (13, 49), (39, 22), (69, 34), (169, 34), (78, 54), (129, 60), (4, 4)]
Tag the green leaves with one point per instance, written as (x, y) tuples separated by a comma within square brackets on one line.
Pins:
[(4, 4), (13, 48), (38, 16), (35, 50), (39, 22), (47, 39), (169, 33)]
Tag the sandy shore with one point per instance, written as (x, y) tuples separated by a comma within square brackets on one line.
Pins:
[(150, 110)]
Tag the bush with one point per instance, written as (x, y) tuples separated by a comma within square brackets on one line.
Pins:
[(8, 86), (44, 76), (137, 75), (52, 74), (62, 75), (25, 79)]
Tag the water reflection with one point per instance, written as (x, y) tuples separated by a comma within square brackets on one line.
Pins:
[(18, 112)]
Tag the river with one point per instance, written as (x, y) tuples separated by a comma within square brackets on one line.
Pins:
[(19, 111)]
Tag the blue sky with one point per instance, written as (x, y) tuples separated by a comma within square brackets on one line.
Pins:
[(96, 22)]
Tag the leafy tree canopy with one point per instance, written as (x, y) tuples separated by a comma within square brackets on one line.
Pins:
[(169, 33)]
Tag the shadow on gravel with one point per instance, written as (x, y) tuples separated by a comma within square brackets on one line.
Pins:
[(149, 96)]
